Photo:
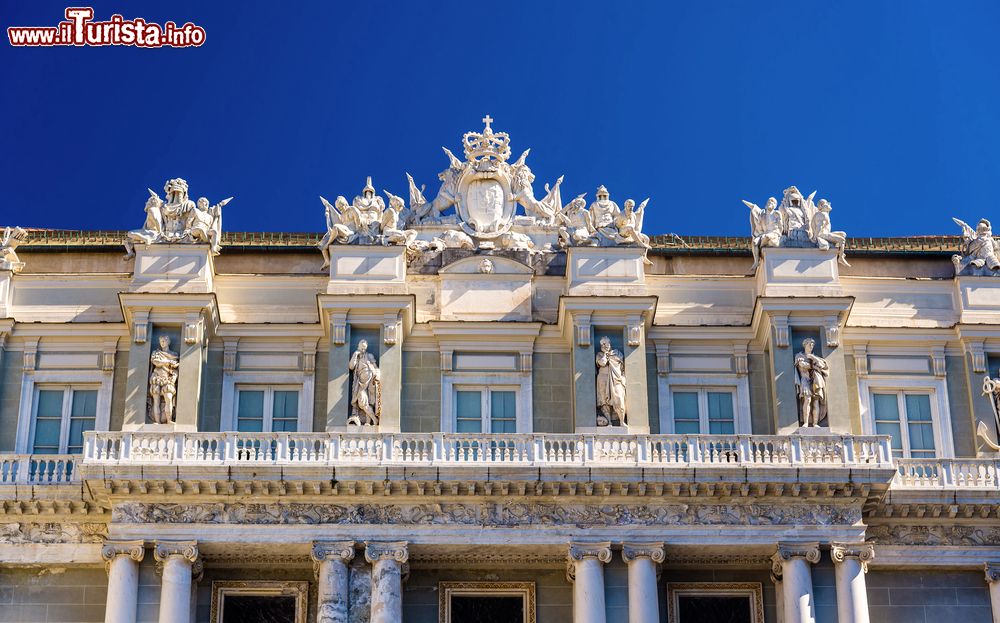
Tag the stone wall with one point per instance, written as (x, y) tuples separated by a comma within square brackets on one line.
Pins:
[(118, 390), (320, 391), (421, 398), (761, 414), (53, 594), (928, 596), (210, 409), (552, 392), (962, 418)]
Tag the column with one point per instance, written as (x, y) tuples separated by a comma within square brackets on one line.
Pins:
[(792, 561), (387, 560), (586, 571), (175, 562), (850, 561), (332, 586), (121, 559), (779, 597), (643, 599), (993, 579)]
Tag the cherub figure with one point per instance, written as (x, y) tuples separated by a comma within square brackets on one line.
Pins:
[(391, 233), (821, 234), (979, 249), (336, 230), (152, 229), (206, 223)]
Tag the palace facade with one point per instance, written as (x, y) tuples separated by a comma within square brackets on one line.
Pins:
[(488, 406)]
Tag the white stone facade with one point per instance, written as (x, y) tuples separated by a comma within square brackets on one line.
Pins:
[(484, 468)]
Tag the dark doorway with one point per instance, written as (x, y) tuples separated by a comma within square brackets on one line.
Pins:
[(258, 609), (475, 609), (710, 609)]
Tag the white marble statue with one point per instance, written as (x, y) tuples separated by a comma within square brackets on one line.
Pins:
[(980, 252), (811, 373), (521, 185), (12, 237), (629, 224), (178, 220), (366, 388), (366, 220), (574, 224), (796, 222), (163, 382), (610, 386), (991, 389), (766, 227), (603, 213)]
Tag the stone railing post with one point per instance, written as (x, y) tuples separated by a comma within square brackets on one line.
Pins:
[(792, 561), (121, 560), (993, 579), (175, 563), (642, 560), (851, 563), (332, 587), (586, 571), (387, 560)]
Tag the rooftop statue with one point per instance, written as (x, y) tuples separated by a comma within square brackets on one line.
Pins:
[(979, 252), (178, 220), (12, 236), (366, 220), (796, 222)]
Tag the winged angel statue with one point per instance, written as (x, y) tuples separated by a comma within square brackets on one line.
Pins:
[(980, 250), (364, 221), (797, 222)]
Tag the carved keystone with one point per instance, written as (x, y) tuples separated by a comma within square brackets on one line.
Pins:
[(864, 552)]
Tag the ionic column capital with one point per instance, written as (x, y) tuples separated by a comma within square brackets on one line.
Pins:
[(113, 549), (390, 550), (992, 572), (653, 551), (188, 550), (864, 552), (790, 551), (600, 551), (332, 550)]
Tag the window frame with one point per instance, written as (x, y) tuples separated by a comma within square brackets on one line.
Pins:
[(753, 591), (518, 382), (524, 590), (486, 403), (940, 411), (234, 380), (34, 380), (268, 415), (704, 383), (66, 413), (259, 588)]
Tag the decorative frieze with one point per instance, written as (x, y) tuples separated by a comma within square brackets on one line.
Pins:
[(506, 514), (864, 552), (20, 533), (963, 535)]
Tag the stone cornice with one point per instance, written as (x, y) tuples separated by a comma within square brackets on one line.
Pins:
[(391, 550), (653, 551), (864, 552)]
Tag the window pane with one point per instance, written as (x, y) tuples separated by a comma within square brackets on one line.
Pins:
[(50, 403), (886, 407), (921, 436), (285, 417), (77, 427), (250, 411), (84, 403), (686, 413), (468, 411), (503, 412), (918, 407), (720, 413)]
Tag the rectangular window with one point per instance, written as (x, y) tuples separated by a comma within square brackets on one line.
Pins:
[(267, 409), (906, 417), (709, 602), (704, 411), (485, 410), (480, 602), (63, 413)]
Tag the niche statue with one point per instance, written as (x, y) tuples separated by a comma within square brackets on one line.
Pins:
[(811, 373), (610, 386), (163, 382), (366, 388)]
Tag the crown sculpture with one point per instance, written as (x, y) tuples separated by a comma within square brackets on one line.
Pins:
[(476, 207)]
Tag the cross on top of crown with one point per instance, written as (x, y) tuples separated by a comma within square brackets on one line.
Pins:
[(488, 120)]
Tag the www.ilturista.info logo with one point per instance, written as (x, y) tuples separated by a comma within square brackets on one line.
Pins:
[(79, 29)]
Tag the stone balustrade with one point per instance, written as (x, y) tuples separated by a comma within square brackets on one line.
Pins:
[(947, 474), (524, 450), (38, 469)]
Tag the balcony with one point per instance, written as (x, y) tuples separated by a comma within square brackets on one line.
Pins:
[(39, 469), (931, 474), (446, 449)]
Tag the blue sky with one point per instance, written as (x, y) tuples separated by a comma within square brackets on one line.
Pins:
[(889, 109)]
